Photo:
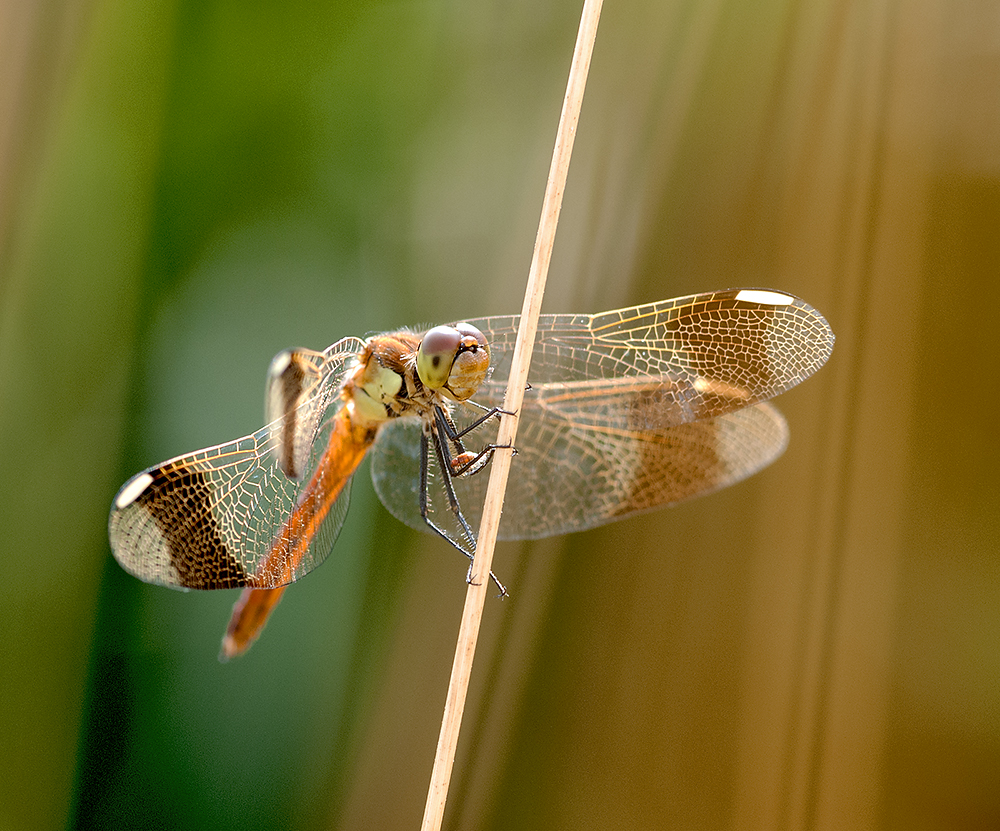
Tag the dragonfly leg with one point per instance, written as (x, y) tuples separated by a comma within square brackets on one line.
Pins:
[(454, 433), (444, 462), (464, 463), (501, 588), (488, 413)]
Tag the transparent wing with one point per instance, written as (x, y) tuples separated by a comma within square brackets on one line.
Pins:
[(566, 480), (208, 519), (666, 363), (629, 410)]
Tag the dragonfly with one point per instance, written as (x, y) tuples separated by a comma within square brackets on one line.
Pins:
[(625, 411)]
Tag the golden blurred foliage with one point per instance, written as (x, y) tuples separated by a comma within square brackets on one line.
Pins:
[(185, 189)]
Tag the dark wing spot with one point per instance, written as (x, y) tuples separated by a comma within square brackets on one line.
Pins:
[(292, 382), (179, 500)]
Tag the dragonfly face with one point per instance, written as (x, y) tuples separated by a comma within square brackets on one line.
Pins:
[(628, 410)]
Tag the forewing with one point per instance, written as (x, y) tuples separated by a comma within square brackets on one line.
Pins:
[(292, 382), (671, 362), (208, 519)]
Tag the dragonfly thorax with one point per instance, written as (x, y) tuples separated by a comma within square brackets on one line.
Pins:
[(383, 383), (377, 391)]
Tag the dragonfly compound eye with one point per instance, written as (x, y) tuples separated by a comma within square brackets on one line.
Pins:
[(436, 354), (453, 359), (471, 363)]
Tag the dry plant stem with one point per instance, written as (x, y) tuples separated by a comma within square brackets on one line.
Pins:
[(500, 467)]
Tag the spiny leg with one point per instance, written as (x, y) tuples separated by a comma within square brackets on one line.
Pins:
[(470, 537), (488, 413), (444, 463), (465, 463)]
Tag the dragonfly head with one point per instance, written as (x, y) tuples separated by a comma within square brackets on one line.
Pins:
[(453, 360)]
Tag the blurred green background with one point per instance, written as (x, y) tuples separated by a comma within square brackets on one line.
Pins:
[(187, 188)]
